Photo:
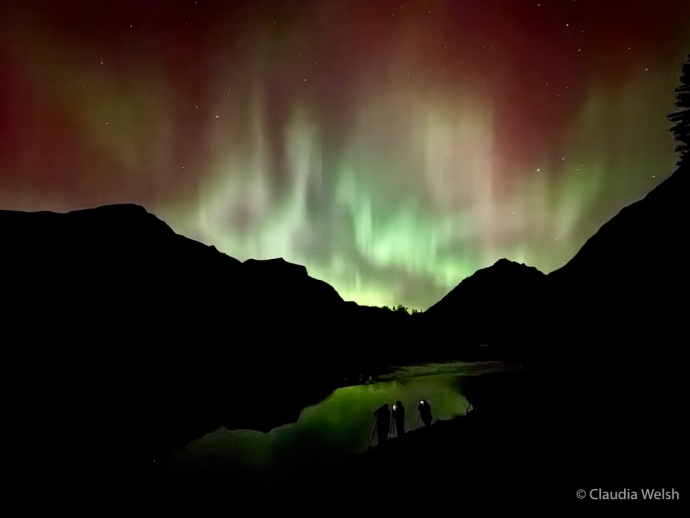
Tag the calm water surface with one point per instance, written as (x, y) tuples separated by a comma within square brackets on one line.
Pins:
[(340, 424)]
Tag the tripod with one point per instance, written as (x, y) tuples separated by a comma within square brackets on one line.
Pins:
[(372, 435)]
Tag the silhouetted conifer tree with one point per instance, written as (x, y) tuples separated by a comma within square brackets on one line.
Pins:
[(681, 117)]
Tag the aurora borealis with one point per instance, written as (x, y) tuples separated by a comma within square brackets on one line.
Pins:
[(393, 148)]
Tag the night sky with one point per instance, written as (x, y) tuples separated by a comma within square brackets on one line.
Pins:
[(393, 148)]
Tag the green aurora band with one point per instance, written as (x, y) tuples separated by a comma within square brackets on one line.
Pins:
[(407, 221)]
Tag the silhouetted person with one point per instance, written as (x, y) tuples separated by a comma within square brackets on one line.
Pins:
[(425, 412), (383, 422), (399, 418)]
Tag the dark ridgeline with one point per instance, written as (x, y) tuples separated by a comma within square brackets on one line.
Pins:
[(128, 340), (619, 323), (492, 314), (115, 323)]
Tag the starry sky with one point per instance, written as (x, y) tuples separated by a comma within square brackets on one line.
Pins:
[(391, 147)]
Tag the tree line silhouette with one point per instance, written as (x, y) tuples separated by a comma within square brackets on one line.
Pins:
[(402, 309), (681, 117)]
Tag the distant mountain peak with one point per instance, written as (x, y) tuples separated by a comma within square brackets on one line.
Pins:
[(504, 267), (124, 207), (275, 266), (505, 278), (503, 262), (117, 212)]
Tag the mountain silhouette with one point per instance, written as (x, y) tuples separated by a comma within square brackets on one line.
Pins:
[(609, 354), (287, 283), (624, 287), (635, 263), (603, 339), (494, 306), (626, 284), (116, 323)]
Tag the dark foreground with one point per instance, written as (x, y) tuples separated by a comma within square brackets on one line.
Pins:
[(471, 460), (509, 454), (514, 452)]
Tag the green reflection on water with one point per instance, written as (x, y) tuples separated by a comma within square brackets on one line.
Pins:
[(345, 419), (341, 424)]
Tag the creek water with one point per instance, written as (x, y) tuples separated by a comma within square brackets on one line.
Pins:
[(341, 424)]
